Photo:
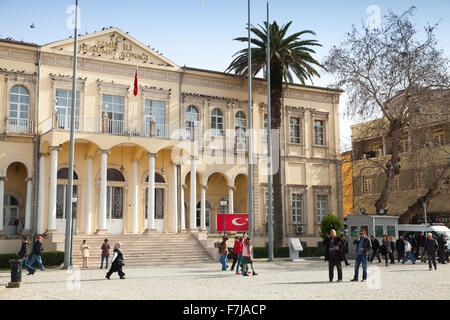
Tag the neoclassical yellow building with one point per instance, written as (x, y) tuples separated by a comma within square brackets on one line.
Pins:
[(122, 140)]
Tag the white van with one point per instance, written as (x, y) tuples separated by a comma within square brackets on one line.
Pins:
[(437, 230)]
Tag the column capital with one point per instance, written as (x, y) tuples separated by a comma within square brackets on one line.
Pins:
[(231, 188), (183, 186), (104, 151), (43, 154), (89, 157), (196, 158), (152, 155), (204, 187), (3, 179), (28, 179), (57, 148)]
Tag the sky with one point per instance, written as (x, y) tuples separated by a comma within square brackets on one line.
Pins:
[(199, 33)]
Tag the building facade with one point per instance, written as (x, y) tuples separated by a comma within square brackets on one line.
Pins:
[(135, 155)]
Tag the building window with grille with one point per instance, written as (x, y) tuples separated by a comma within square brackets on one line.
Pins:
[(367, 185), (294, 130), (321, 206), (19, 106), (192, 120), (319, 132), (114, 107), (64, 108), (297, 208), (419, 182)]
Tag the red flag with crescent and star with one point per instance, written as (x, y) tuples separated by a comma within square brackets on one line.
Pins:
[(135, 83), (233, 222)]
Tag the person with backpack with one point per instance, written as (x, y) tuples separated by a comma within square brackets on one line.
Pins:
[(23, 254), (431, 245), (223, 251)]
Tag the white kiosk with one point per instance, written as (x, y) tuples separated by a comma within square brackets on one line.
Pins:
[(295, 247)]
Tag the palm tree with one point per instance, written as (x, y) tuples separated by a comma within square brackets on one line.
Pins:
[(288, 55)]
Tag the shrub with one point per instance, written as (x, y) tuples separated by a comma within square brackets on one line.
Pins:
[(48, 259), (330, 222)]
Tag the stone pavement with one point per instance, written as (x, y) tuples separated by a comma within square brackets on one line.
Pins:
[(280, 280)]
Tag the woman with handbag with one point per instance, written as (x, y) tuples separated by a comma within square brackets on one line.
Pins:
[(117, 262), (247, 257)]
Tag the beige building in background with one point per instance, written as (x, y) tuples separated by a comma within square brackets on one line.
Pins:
[(122, 139)]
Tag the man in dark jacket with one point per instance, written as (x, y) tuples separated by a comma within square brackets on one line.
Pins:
[(36, 253), (441, 249), (412, 242), (431, 246), (400, 247), (420, 241), (325, 244), (375, 249), (362, 247), (23, 254), (334, 248), (344, 249)]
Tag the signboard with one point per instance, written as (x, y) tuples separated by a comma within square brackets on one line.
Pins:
[(295, 244), (233, 222)]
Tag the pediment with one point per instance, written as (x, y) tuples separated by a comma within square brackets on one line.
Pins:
[(113, 44)]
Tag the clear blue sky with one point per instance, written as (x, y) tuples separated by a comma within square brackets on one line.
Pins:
[(199, 33)]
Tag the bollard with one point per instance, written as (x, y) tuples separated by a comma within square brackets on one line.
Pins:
[(16, 273)]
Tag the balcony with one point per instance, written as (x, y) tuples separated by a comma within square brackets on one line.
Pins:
[(19, 126)]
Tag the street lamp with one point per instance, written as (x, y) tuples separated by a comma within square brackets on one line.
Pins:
[(223, 204)]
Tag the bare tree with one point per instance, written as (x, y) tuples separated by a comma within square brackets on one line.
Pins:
[(392, 72)]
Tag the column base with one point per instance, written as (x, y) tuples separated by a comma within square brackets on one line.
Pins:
[(102, 232), (183, 231), (149, 231)]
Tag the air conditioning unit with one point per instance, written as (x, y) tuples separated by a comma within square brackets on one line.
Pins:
[(300, 229)]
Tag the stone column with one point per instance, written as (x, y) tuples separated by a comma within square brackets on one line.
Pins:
[(203, 209), (134, 223), (183, 209), (88, 212), (41, 195), (51, 225), (174, 199), (102, 228), (2, 195), (151, 193), (193, 199), (230, 200), (27, 204)]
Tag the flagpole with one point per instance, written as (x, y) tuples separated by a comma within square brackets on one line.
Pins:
[(69, 191), (250, 136), (269, 146)]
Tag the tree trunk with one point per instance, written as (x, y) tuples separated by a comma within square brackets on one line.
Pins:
[(433, 191), (392, 166), (276, 93)]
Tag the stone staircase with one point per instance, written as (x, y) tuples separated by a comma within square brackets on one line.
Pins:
[(141, 249)]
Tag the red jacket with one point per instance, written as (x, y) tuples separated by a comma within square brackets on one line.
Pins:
[(238, 247)]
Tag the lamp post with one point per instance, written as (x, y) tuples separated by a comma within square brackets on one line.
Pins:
[(223, 203)]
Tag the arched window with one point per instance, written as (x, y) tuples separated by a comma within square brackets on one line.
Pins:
[(19, 103), (158, 178), (63, 174), (192, 117), (217, 123), (240, 127), (114, 175)]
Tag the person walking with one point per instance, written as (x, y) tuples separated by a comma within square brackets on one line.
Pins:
[(431, 245), (223, 251), (421, 247), (385, 249), (391, 253), (105, 253), (36, 253), (400, 247), (235, 257), (117, 262), (238, 246), (412, 242), (23, 254), (375, 249), (334, 249), (84, 253), (408, 252), (441, 249), (247, 257), (362, 247), (344, 249)]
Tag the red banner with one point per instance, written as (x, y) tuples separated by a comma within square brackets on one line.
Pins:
[(233, 222)]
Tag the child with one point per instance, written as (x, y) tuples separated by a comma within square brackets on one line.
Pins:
[(247, 256)]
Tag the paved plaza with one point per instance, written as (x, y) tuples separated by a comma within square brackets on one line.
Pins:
[(280, 280)]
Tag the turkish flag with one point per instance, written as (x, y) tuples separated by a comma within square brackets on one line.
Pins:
[(233, 222), (135, 84)]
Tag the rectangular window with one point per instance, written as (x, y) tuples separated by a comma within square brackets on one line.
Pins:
[(367, 185), (114, 107), (404, 145), (156, 111), (64, 108), (390, 231), (379, 231), (319, 132), (294, 130), (418, 180), (297, 208), (321, 206)]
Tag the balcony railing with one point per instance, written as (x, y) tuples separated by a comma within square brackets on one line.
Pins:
[(20, 126)]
